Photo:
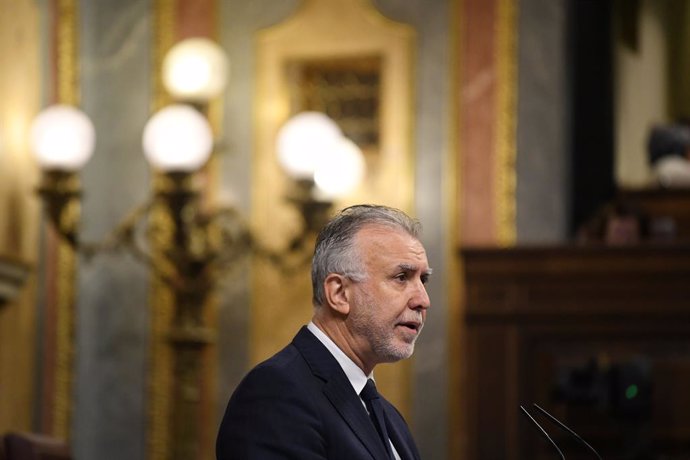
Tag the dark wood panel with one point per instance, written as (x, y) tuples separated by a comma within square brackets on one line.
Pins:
[(661, 206), (599, 336)]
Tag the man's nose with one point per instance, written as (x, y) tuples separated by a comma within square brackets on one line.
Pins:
[(420, 298)]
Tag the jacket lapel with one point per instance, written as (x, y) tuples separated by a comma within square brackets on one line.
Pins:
[(339, 391), (401, 437)]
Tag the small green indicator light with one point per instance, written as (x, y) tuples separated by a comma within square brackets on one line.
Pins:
[(631, 391)]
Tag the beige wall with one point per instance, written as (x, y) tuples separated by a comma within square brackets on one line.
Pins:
[(19, 96), (640, 85)]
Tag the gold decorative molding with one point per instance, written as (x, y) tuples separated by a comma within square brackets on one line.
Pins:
[(67, 83), (453, 180), (326, 30), (67, 52), (506, 121), (161, 297), (64, 340), (164, 26)]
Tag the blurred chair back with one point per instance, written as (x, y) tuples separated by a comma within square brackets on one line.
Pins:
[(30, 446)]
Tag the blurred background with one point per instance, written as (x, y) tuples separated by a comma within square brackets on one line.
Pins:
[(164, 165)]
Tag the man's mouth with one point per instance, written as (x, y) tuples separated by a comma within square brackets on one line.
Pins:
[(412, 326)]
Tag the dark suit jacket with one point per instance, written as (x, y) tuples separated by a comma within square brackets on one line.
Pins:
[(300, 405)]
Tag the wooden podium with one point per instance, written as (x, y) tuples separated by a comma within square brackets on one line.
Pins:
[(597, 335)]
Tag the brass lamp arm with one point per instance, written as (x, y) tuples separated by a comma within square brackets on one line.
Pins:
[(239, 240), (206, 245), (122, 236)]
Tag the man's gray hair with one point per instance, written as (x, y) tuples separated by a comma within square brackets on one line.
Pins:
[(335, 251)]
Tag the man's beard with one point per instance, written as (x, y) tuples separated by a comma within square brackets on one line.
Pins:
[(382, 338)]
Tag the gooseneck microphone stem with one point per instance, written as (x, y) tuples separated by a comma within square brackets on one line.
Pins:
[(561, 425), (568, 430), (543, 431)]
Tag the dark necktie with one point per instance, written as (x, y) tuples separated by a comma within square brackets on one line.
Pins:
[(372, 399)]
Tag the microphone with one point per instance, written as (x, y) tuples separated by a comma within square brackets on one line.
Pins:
[(542, 431), (559, 424)]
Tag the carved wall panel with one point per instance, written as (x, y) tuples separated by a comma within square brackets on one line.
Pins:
[(346, 58)]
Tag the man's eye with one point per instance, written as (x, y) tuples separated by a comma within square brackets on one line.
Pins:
[(425, 279), (401, 277)]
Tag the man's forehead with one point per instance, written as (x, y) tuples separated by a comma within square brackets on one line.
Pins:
[(385, 231), (393, 245)]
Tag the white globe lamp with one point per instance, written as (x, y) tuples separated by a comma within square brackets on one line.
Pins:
[(340, 171), (303, 140), (177, 138), (62, 138), (195, 69)]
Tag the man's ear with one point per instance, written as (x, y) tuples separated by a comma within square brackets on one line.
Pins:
[(336, 293)]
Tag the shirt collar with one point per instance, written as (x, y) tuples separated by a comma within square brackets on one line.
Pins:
[(354, 374)]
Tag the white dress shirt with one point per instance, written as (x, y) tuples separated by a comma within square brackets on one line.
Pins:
[(354, 373)]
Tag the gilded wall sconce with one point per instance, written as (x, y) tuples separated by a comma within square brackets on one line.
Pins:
[(202, 243)]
